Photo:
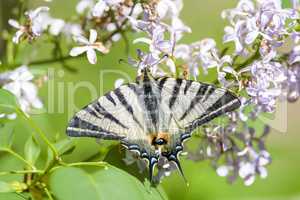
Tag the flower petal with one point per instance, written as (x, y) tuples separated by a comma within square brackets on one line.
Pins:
[(80, 39), (91, 55), (14, 23), (100, 47), (143, 40), (17, 36), (34, 13), (223, 171), (99, 8), (84, 5), (93, 36), (170, 63), (78, 50), (251, 37)]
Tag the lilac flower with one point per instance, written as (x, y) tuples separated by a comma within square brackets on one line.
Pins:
[(88, 46), (293, 83), (19, 82), (84, 5), (21, 30), (256, 164), (112, 27), (158, 44), (235, 34), (266, 85), (295, 4), (54, 25), (168, 8), (103, 5), (266, 20), (295, 36), (71, 29), (33, 26), (294, 56), (147, 60)]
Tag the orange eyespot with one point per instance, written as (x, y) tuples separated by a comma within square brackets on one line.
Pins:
[(159, 139)]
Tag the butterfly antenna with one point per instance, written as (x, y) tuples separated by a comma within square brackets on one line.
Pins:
[(161, 59)]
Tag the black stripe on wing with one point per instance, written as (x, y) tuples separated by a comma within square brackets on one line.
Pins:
[(200, 94), (127, 106), (175, 92), (101, 110), (110, 98), (227, 103), (82, 128), (188, 84), (150, 101)]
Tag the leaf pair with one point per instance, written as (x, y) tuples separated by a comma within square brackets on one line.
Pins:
[(71, 183)]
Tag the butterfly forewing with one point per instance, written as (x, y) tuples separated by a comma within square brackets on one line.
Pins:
[(116, 114), (190, 101)]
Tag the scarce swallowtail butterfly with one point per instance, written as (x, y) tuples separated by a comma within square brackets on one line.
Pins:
[(153, 116)]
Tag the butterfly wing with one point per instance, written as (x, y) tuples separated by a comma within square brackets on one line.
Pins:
[(189, 104), (140, 113), (116, 115), (193, 103)]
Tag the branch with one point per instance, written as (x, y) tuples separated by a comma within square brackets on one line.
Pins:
[(120, 29)]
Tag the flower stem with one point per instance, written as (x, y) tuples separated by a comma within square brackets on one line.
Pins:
[(21, 172), (80, 164), (48, 193), (96, 164), (39, 132), (255, 56), (17, 156)]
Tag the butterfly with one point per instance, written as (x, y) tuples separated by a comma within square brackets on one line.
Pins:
[(153, 116)]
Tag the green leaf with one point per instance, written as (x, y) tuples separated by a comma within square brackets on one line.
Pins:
[(5, 187), (32, 150), (7, 134), (69, 183), (64, 147), (8, 102)]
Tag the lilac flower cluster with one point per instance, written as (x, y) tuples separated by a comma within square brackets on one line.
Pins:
[(265, 21), (20, 83), (263, 68), (258, 29)]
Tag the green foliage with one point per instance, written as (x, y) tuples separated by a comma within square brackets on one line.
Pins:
[(71, 183), (63, 147), (32, 150), (8, 102), (5, 187), (6, 134)]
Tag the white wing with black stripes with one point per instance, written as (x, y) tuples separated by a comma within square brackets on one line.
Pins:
[(115, 115), (153, 116), (193, 103)]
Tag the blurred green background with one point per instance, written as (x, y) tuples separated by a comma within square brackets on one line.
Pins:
[(283, 182)]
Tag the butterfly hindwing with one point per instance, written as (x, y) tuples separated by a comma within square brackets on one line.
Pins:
[(189, 104)]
